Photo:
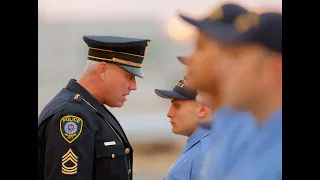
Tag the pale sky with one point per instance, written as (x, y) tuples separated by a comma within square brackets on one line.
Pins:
[(61, 9)]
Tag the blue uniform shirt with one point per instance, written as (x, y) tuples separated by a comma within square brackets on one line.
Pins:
[(188, 165), (231, 131), (262, 160)]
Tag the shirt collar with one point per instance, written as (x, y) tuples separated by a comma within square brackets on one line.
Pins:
[(195, 138), (75, 87), (221, 117), (274, 122), (205, 125)]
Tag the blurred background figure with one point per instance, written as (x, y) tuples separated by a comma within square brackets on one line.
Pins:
[(254, 57), (202, 97), (230, 128), (61, 49)]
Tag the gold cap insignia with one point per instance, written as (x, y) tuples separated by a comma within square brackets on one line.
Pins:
[(182, 83), (245, 22), (216, 14)]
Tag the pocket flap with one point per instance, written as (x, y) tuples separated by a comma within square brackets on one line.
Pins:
[(110, 151)]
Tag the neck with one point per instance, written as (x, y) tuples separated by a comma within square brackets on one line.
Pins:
[(88, 82), (207, 118), (194, 130), (216, 102), (266, 106)]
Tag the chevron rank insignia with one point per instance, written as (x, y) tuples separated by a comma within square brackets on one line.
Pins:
[(71, 127), (69, 163)]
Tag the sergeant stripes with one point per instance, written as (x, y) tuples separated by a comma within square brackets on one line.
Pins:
[(69, 156)]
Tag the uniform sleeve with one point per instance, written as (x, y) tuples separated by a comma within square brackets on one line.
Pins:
[(69, 151)]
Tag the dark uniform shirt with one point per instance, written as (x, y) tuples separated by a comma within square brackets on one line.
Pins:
[(79, 139)]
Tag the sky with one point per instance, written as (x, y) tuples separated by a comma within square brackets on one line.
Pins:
[(82, 9)]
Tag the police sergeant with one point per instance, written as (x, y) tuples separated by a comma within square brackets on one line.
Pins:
[(78, 137)]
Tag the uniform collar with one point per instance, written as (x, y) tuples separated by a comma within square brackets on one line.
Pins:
[(205, 125), (224, 112), (75, 87), (274, 122), (195, 138)]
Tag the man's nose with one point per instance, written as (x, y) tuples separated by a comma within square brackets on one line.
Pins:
[(171, 112), (133, 84)]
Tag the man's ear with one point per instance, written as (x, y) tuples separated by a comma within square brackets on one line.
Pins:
[(202, 111), (102, 70)]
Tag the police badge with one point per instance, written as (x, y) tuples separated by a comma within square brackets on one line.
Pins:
[(70, 127)]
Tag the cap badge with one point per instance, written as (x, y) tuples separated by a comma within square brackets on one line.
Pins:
[(245, 22)]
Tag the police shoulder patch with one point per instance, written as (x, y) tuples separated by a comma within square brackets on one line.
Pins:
[(71, 127)]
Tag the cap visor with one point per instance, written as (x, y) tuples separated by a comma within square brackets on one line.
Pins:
[(169, 94), (182, 60), (191, 21), (133, 70)]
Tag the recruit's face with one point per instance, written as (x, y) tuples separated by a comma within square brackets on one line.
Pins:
[(201, 64), (118, 84), (183, 116), (246, 73)]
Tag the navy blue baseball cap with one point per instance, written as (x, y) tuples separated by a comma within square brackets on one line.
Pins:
[(219, 23), (265, 30), (180, 91), (231, 23), (126, 52)]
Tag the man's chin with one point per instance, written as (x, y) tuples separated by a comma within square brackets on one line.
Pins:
[(116, 105), (176, 131), (119, 105)]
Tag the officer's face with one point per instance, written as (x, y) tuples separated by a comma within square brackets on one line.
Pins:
[(183, 116), (118, 84), (201, 64), (246, 74)]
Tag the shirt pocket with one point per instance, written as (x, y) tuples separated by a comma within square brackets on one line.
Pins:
[(111, 160)]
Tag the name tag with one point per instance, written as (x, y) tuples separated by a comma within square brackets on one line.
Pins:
[(110, 143)]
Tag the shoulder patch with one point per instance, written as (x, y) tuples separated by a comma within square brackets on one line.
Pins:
[(71, 127)]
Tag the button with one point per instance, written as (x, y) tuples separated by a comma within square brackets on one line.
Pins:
[(113, 155), (127, 151), (129, 171)]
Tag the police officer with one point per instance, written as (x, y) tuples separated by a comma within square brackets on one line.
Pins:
[(78, 138), (184, 114)]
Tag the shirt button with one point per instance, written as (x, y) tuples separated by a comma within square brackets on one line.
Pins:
[(129, 171), (127, 151)]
